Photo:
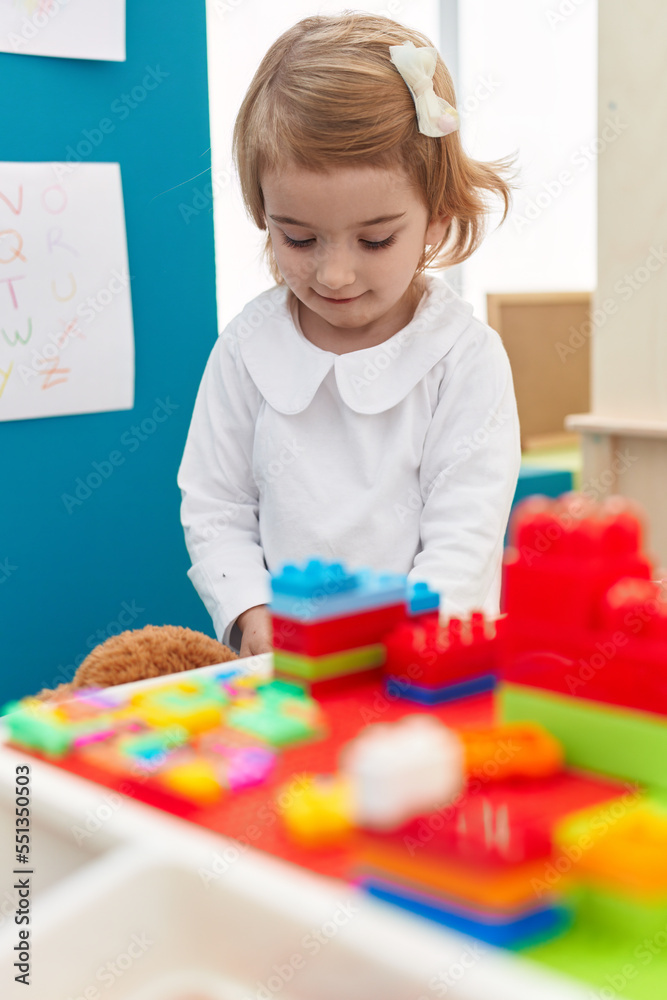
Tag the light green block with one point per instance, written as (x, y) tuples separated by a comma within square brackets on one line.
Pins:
[(323, 668), (607, 738)]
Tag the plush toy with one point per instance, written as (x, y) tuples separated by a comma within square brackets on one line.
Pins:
[(146, 652)]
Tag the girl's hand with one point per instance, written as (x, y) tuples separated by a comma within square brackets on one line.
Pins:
[(255, 625)]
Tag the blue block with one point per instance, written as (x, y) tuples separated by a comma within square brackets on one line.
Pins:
[(421, 598), (513, 931), (369, 590), (314, 576), (436, 696)]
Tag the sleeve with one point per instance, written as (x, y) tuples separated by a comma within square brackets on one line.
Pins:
[(220, 499), (468, 476)]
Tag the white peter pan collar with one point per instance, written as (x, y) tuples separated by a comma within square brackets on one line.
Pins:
[(288, 369)]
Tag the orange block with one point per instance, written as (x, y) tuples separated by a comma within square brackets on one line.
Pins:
[(501, 887), (515, 750)]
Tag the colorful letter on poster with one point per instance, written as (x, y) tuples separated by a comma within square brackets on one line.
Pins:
[(66, 331)]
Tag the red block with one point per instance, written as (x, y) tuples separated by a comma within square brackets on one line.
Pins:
[(507, 821), (584, 618), (335, 634), (432, 655)]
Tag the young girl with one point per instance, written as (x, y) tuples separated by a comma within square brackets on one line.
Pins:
[(356, 411)]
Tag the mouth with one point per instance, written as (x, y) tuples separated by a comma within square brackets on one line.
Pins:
[(339, 301)]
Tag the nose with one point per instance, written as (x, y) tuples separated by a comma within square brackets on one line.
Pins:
[(334, 268)]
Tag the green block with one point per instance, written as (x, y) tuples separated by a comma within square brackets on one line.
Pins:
[(35, 732), (615, 741), (614, 914), (277, 730), (322, 668)]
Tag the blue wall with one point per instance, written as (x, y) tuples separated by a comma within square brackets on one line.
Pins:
[(65, 578)]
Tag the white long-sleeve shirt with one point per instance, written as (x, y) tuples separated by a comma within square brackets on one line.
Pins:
[(402, 457)]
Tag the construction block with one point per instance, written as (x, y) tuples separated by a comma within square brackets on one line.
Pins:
[(535, 752), (316, 578), (607, 738), (333, 665), (511, 931), (153, 745), (507, 821), (320, 812), (402, 769), (328, 636), (610, 913), (321, 590), (563, 557), (421, 599), (38, 725), (279, 721), (428, 654), (496, 887), (195, 781), (439, 695), (196, 704), (624, 854)]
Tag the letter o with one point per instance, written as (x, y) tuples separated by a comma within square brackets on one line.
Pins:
[(145, 429), (124, 964), (138, 94), (104, 297), (97, 477), (597, 661), (540, 199), (274, 983)]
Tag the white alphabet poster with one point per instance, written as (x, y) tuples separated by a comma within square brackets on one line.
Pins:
[(73, 29), (66, 331)]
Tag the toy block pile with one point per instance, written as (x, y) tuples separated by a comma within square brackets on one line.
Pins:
[(584, 653), (329, 623), (332, 627), (193, 739), (584, 646), (454, 826)]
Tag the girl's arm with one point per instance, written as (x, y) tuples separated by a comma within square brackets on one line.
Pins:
[(220, 500), (469, 471)]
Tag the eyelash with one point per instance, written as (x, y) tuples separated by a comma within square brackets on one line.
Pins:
[(302, 244)]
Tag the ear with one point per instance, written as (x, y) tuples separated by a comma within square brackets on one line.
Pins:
[(437, 229)]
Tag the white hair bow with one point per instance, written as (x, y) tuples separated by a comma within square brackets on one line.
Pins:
[(435, 117)]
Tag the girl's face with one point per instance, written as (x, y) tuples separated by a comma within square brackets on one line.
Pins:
[(348, 243)]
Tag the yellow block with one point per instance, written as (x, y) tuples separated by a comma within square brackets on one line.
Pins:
[(195, 780)]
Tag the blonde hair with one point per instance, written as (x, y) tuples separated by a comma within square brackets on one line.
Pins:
[(327, 94)]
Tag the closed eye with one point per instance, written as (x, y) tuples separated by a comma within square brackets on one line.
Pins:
[(368, 244)]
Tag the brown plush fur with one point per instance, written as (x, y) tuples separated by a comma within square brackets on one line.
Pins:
[(146, 652)]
